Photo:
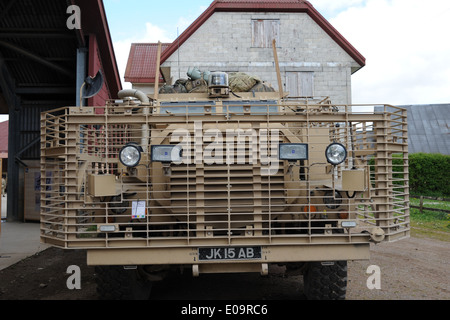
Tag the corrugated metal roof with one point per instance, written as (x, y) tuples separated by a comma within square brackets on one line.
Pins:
[(39, 28), (30, 14), (38, 69), (141, 67), (38, 61), (39, 50), (429, 128)]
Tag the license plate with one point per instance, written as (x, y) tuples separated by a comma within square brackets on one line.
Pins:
[(231, 253)]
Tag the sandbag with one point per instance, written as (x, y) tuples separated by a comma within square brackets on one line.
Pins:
[(179, 88), (167, 89), (262, 87), (200, 89), (196, 74), (242, 82)]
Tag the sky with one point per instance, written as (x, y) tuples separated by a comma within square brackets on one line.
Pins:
[(405, 42)]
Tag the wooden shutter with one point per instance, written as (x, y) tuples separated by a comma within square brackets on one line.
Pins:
[(307, 84), (300, 84), (264, 31)]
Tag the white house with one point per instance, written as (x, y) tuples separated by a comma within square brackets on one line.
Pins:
[(236, 35)]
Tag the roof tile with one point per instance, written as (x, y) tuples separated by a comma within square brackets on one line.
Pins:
[(141, 67)]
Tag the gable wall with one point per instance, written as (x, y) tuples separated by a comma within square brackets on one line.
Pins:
[(224, 43)]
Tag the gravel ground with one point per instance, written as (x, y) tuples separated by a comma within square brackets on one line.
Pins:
[(413, 269)]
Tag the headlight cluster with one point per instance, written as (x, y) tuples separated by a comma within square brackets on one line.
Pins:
[(336, 153), (130, 155)]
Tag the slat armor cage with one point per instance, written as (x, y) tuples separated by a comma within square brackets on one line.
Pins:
[(230, 188)]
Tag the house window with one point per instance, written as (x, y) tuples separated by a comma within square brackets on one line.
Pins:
[(300, 84), (264, 31)]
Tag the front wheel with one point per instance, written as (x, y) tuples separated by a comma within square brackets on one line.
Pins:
[(326, 280)]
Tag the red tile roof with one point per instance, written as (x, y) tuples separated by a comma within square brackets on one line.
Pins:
[(141, 66), (143, 69), (4, 139)]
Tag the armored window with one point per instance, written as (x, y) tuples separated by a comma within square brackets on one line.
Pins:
[(264, 31)]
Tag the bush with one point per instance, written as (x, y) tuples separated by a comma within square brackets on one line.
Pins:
[(398, 164), (429, 174)]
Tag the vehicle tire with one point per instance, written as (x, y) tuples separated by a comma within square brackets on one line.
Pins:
[(326, 281), (116, 283)]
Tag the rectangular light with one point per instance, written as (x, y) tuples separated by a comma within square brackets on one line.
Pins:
[(107, 228), (293, 151), (348, 224), (167, 154)]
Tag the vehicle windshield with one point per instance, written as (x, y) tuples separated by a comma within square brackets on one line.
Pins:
[(236, 107)]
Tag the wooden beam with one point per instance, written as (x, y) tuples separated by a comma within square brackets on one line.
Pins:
[(158, 66), (277, 65)]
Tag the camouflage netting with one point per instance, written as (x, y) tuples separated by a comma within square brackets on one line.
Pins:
[(238, 81)]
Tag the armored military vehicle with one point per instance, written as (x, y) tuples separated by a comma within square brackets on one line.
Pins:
[(219, 181)]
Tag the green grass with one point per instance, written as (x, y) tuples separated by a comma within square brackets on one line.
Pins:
[(430, 224)]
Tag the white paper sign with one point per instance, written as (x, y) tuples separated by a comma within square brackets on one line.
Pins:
[(138, 210)]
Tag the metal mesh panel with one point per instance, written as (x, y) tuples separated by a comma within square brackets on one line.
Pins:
[(230, 188)]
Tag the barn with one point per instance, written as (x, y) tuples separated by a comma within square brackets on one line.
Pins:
[(47, 50)]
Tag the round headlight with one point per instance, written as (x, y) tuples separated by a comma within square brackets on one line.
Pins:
[(336, 153), (130, 155)]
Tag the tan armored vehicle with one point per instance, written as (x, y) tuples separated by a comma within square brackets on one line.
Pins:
[(223, 182)]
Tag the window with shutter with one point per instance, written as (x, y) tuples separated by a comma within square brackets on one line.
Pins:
[(264, 31), (300, 84)]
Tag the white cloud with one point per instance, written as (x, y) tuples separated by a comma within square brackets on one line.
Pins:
[(153, 34), (404, 42), (183, 23), (330, 7), (122, 48), (406, 49)]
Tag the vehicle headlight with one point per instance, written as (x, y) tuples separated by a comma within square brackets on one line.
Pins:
[(167, 154), (293, 151), (130, 155), (336, 153)]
